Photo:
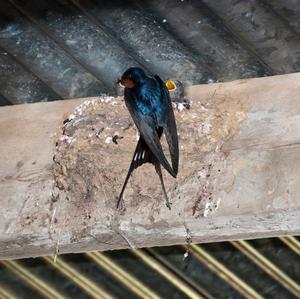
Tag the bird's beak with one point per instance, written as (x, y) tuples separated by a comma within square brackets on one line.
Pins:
[(170, 85)]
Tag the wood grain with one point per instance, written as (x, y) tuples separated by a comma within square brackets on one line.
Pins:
[(239, 174)]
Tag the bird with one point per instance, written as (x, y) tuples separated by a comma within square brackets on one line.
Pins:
[(148, 102)]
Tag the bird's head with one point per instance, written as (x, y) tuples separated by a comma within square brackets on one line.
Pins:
[(133, 77)]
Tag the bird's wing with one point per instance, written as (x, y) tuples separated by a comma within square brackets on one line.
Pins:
[(147, 128), (170, 129)]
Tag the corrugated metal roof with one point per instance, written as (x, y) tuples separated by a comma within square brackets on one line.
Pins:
[(64, 49)]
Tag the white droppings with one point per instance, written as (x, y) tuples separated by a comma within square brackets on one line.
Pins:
[(210, 207), (108, 99), (180, 107), (164, 20), (202, 174), (89, 103), (71, 116), (207, 209), (206, 128), (108, 139), (67, 139), (217, 203)]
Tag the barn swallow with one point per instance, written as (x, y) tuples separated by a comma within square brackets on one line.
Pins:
[(149, 105)]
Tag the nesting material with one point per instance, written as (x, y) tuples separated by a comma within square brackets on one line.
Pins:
[(97, 142)]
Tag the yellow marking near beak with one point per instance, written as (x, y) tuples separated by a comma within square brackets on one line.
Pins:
[(170, 85)]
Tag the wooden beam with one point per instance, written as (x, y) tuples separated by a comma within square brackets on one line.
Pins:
[(239, 174)]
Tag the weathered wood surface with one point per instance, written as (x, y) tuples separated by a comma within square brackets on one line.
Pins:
[(239, 174)]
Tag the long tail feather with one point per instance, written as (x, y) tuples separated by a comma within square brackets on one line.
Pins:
[(141, 155), (158, 171)]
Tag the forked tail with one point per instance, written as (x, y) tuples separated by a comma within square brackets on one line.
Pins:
[(142, 155)]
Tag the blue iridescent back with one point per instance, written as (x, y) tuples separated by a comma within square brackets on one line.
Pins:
[(149, 100)]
